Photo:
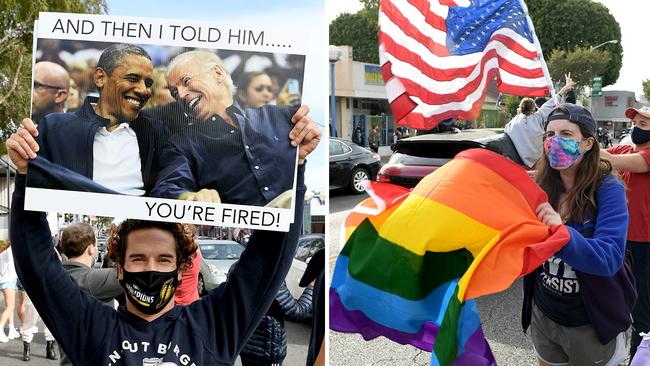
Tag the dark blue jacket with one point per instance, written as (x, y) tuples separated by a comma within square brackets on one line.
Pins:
[(67, 139), (249, 165), (596, 252), (210, 331)]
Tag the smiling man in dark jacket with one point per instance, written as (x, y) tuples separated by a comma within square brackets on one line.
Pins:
[(107, 140), (234, 155)]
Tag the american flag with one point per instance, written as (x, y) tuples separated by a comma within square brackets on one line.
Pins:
[(438, 57)]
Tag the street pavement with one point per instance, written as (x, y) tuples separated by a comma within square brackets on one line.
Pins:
[(11, 353), (500, 316)]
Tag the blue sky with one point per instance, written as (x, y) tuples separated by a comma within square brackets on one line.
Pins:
[(214, 9), (308, 16)]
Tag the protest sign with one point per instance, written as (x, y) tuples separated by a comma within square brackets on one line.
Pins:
[(217, 155)]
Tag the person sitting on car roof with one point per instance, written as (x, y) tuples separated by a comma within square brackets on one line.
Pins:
[(527, 127)]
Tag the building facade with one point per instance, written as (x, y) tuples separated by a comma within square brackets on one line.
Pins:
[(361, 102), (609, 110)]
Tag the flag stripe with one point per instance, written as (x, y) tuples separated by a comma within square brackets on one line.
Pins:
[(511, 173), (527, 68), (433, 91), (354, 321), (388, 309), (414, 26), (411, 276), (473, 99), (436, 19), (417, 54)]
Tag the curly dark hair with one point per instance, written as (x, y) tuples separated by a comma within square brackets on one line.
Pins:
[(183, 234)]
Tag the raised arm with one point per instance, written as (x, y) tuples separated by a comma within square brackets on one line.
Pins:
[(67, 311), (235, 308)]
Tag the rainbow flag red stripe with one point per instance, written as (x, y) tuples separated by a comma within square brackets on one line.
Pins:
[(413, 261)]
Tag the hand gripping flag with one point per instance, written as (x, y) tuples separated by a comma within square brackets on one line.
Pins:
[(413, 261), (438, 56)]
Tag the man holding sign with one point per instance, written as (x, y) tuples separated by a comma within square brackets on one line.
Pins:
[(151, 258)]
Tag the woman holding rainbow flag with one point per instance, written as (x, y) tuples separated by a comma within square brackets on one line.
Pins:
[(577, 304)]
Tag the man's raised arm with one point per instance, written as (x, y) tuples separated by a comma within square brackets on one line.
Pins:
[(64, 308)]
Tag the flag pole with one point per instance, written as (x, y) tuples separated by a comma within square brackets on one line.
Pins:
[(547, 74)]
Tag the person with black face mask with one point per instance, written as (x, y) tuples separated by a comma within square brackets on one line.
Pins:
[(633, 162), (150, 259)]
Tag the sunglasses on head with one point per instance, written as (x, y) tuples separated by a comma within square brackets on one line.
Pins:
[(260, 88)]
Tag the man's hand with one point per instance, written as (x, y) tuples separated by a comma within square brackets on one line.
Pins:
[(204, 195), (21, 146), (305, 133)]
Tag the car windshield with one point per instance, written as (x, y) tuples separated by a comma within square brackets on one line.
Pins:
[(221, 251)]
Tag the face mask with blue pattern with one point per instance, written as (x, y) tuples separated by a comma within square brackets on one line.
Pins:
[(562, 152)]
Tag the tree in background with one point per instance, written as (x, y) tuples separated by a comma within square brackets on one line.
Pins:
[(16, 34), (358, 30), (570, 24), (559, 24), (646, 89), (582, 63)]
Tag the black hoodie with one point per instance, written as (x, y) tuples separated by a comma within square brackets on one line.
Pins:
[(210, 331)]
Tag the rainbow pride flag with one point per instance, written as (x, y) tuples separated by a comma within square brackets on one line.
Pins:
[(414, 260)]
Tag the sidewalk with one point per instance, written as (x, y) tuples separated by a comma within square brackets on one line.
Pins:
[(384, 153), (11, 353)]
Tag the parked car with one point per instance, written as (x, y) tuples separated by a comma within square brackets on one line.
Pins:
[(308, 245), (416, 157), (351, 165), (218, 257)]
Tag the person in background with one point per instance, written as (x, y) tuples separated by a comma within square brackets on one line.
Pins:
[(268, 344), (8, 280), (254, 90), (79, 245), (159, 92), (569, 319), (633, 162), (74, 101), (373, 139), (315, 275), (527, 127), (51, 87), (188, 291)]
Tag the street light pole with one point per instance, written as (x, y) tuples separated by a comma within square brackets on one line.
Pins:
[(602, 44), (332, 102), (334, 55)]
